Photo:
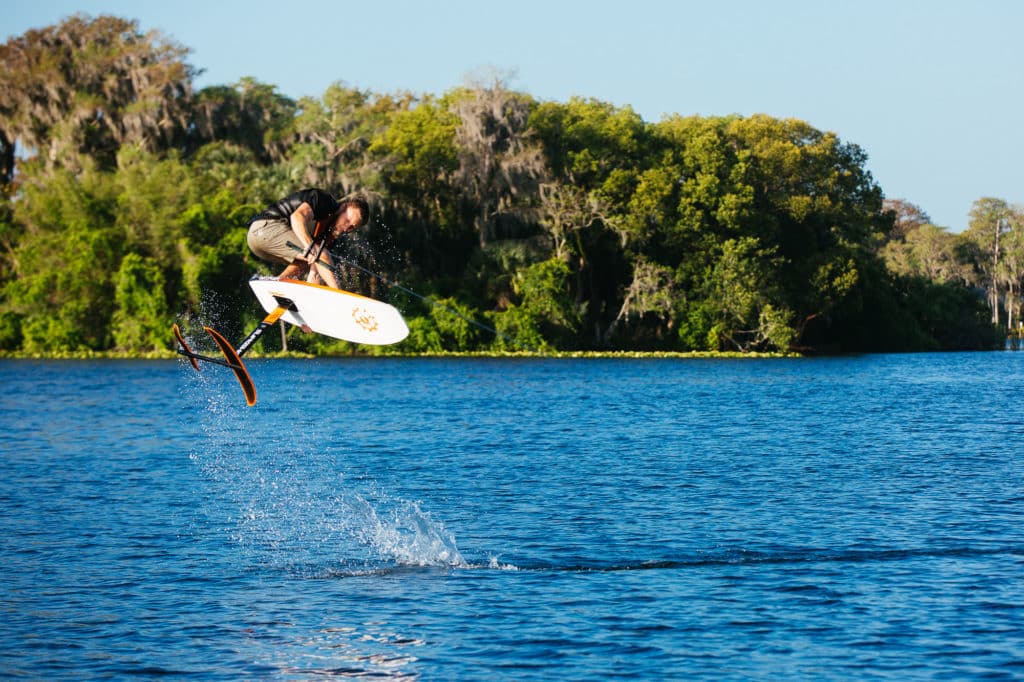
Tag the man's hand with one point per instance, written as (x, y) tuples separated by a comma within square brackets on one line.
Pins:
[(314, 253)]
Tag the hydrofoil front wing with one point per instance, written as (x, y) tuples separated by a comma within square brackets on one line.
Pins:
[(234, 361)]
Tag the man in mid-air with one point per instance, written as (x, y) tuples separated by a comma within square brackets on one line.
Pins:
[(302, 218)]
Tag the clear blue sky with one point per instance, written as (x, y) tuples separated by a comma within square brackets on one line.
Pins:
[(932, 90)]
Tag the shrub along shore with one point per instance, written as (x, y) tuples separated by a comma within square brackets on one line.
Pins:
[(170, 355)]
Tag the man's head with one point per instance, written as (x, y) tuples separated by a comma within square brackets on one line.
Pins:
[(352, 213)]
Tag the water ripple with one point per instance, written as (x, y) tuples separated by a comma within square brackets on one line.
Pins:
[(829, 518)]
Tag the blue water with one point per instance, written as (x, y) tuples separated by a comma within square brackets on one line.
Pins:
[(514, 519)]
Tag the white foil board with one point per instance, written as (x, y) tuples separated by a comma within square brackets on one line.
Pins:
[(333, 312)]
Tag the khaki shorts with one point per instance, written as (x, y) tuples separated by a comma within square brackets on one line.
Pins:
[(268, 239)]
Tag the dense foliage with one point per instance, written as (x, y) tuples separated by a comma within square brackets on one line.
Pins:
[(572, 225)]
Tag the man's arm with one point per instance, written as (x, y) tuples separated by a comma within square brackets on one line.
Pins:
[(326, 272), (303, 221)]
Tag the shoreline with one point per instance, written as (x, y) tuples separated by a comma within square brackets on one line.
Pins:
[(291, 355)]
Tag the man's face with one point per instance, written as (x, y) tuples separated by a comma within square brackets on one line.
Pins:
[(348, 220)]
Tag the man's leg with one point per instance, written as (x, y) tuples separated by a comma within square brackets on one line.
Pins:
[(294, 271)]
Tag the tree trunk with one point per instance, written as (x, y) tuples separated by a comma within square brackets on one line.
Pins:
[(995, 276)]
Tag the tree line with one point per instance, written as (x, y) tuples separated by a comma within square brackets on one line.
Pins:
[(561, 225)]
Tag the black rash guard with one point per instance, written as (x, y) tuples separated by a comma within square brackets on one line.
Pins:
[(322, 203)]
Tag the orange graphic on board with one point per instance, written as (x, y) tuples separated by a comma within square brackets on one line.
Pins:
[(365, 319)]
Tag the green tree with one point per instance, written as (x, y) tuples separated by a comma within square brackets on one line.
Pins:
[(518, 330), (335, 133), (543, 289), (989, 223), (87, 86), (741, 292), (1011, 267), (651, 293), (140, 316), (248, 114), (691, 200), (417, 158), (215, 276), (65, 260), (424, 336), (229, 187), (454, 327), (906, 217), (153, 194), (596, 153), (699, 192), (565, 212), (500, 165), (925, 251), (815, 202)]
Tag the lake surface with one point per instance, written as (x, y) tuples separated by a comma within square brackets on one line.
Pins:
[(538, 519)]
